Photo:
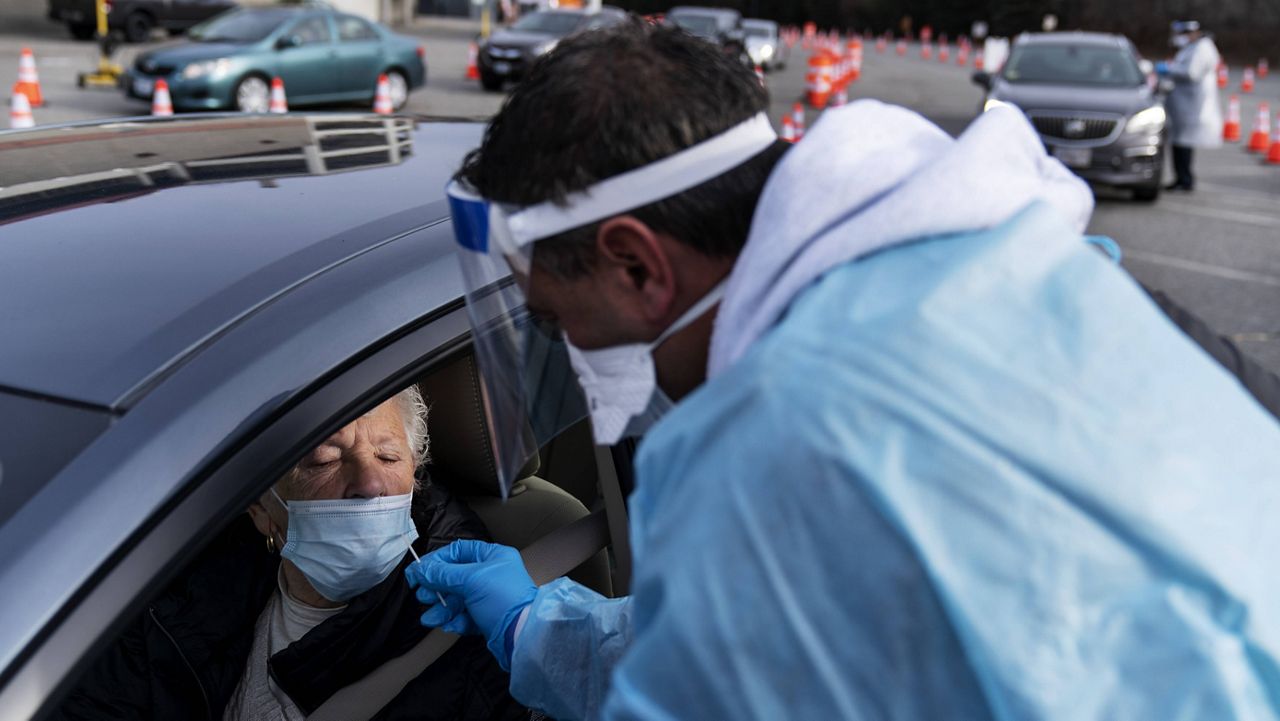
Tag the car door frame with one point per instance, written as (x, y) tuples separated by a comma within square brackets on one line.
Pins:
[(358, 83), (220, 492), (287, 60)]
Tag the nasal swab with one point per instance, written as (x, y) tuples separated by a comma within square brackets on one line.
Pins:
[(419, 560)]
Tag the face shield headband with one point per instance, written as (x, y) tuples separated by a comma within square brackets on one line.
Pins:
[(529, 387)]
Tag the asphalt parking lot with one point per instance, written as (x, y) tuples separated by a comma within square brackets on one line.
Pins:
[(1216, 250)]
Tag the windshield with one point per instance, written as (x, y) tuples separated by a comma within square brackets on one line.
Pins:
[(756, 31), (697, 24), (239, 26), (549, 23), (1073, 65)]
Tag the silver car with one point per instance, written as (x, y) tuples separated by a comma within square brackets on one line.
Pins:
[(765, 45), (1091, 101)]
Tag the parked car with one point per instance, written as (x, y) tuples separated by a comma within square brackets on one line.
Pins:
[(191, 304), (1092, 103), (135, 19), (765, 45), (322, 55), (719, 26), (509, 52)]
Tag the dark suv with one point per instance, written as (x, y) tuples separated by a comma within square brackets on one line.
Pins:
[(1092, 104), (135, 18), (720, 26)]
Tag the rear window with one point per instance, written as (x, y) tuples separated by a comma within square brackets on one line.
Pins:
[(39, 438), (756, 31), (696, 24), (1095, 65)]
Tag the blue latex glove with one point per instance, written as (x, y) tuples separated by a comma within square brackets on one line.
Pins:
[(1162, 68), (485, 586)]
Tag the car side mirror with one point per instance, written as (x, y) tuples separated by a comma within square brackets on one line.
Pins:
[(983, 78), (288, 41)]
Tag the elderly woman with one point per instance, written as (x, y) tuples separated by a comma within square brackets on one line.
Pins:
[(302, 597)]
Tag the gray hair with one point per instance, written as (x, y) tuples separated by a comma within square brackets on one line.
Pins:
[(413, 410)]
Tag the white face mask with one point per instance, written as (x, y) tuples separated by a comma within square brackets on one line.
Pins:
[(1181, 41), (621, 382)]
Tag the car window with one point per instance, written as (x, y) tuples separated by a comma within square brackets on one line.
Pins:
[(697, 24), (552, 23), (353, 28), (312, 30), (1063, 64), (240, 26)]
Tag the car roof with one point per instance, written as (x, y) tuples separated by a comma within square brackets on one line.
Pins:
[(1073, 37), (698, 10), (128, 245)]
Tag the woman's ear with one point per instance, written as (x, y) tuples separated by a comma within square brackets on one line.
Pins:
[(262, 519), (637, 266)]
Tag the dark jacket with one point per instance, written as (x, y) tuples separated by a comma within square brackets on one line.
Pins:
[(183, 657)]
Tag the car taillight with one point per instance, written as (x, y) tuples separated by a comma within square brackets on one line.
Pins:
[(422, 52)]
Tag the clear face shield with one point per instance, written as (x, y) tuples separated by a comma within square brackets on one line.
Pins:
[(531, 390), (528, 386)]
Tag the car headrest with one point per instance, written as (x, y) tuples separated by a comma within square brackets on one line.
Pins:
[(462, 456)]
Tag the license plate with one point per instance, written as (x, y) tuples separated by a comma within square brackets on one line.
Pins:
[(143, 86), (1074, 157), (501, 68)]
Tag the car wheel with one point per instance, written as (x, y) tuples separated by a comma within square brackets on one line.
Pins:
[(399, 87), (490, 81), (137, 27), (81, 31), (252, 95)]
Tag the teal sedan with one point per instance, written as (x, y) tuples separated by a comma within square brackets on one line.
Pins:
[(322, 55)]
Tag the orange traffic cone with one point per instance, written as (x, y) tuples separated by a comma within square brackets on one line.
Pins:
[(788, 129), (1223, 75), (161, 104), (900, 48), (382, 97), (1246, 81), (20, 110), (840, 98), (962, 56), (28, 80), (1258, 140), (1273, 155), (473, 55), (797, 119), (978, 61), (279, 103), (1231, 128), (944, 54), (1263, 68), (926, 51)]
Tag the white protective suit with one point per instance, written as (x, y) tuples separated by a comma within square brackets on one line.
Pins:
[(1193, 104), (950, 463)]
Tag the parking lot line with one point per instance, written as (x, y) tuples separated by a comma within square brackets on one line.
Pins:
[(1196, 266)]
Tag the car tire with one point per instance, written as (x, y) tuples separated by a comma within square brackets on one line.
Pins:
[(399, 89), (251, 95), (490, 82), (82, 31), (137, 27)]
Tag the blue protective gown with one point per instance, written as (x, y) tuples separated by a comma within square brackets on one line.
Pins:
[(977, 476)]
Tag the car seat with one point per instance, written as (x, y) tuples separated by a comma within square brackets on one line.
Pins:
[(462, 460)]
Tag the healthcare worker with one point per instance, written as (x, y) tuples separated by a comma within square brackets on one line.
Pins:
[(1193, 102), (922, 451)]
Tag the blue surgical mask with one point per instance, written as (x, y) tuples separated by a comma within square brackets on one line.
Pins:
[(346, 546)]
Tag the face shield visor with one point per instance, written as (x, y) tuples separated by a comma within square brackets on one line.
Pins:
[(531, 392)]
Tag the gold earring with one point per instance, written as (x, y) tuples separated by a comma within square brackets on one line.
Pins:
[(271, 543)]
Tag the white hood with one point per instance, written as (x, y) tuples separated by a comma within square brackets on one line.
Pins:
[(868, 176)]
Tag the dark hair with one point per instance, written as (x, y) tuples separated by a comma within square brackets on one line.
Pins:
[(608, 101)]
